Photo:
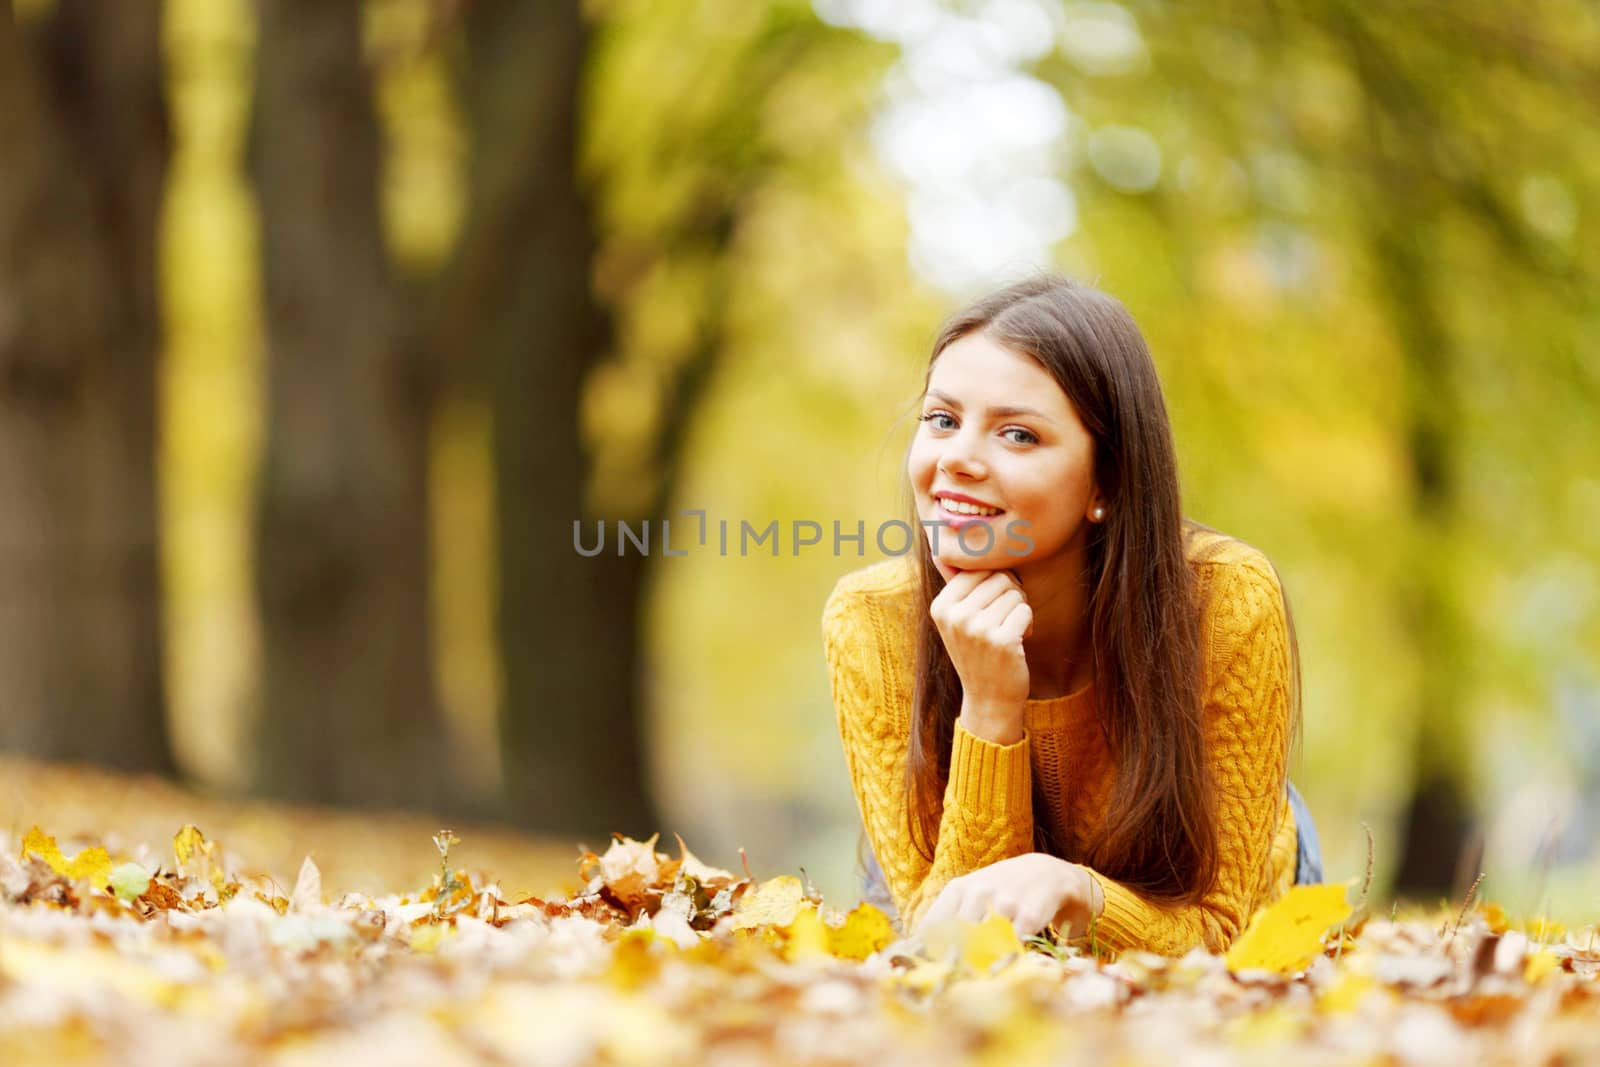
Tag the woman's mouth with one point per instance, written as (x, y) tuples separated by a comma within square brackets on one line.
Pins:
[(958, 513)]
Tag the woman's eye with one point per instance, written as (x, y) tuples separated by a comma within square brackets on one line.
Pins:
[(1024, 437), (941, 420)]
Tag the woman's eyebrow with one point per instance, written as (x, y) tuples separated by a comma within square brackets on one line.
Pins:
[(1004, 411)]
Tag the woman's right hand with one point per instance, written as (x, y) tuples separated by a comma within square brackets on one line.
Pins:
[(982, 616)]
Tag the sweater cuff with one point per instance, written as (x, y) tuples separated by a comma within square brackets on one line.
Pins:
[(1124, 920), (989, 779)]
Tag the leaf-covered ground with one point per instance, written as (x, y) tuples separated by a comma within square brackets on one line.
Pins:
[(175, 952)]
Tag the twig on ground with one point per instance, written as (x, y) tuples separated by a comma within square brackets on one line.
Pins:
[(1366, 884), (1472, 891)]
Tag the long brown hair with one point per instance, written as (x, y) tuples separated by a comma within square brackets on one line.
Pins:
[(1159, 834)]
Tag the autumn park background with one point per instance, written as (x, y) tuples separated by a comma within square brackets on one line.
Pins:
[(321, 322)]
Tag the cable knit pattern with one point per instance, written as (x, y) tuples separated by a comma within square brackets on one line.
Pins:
[(868, 631)]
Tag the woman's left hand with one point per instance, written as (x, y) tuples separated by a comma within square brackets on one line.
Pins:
[(1033, 891)]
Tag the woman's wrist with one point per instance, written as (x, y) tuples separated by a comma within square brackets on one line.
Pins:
[(1082, 903), (997, 724)]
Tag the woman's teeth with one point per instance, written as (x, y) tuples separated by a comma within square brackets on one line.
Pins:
[(961, 507)]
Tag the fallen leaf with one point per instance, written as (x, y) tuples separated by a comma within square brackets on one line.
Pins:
[(1495, 916), (774, 902), (188, 843), (806, 936), (925, 976), (1287, 935), (689, 864), (1539, 965), (92, 864), (427, 938), (674, 927), (129, 882), (1346, 993), (864, 931), (989, 942), (307, 893), (158, 896), (977, 946), (629, 869), (633, 960)]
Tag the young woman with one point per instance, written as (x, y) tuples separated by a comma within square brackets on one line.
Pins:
[(1070, 707)]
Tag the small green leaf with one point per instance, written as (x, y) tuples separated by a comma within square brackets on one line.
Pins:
[(129, 881)]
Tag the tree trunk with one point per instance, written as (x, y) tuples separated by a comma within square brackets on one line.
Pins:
[(349, 711), (519, 300), (84, 140), (1403, 193), (1438, 821)]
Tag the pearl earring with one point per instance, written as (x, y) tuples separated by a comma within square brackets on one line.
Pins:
[(1098, 513)]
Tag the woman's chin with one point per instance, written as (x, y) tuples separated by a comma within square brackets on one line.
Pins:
[(989, 561)]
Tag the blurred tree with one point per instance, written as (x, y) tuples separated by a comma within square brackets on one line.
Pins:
[(355, 374), (722, 140), (517, 302), (593, 171), (350, 712), (84, 144), (1433, 165), (512, 309)]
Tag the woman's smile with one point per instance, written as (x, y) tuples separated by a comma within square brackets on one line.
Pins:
[(960, 510), (999, 446)]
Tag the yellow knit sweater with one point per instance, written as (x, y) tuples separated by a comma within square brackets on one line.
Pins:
[(988, 813)]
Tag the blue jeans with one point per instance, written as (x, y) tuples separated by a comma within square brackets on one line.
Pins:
[(1307, 863), (1308, 859)]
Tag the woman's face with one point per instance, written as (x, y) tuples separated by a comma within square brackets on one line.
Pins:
[(997, 429)]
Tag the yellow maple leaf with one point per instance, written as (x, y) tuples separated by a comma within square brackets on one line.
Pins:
[(1274, 1025), (189, 842), (1495, 916), (978, 946), (1285, 936), (989, 942), (1345, 994), (1539, 965), (774, 902), (925, 976), (426, 938), (92, 864), (864, 931), (806, 937), (1542, 929), (80, 970), (633, 961)]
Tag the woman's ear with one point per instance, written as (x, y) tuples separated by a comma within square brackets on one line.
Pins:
[(1097, 507)]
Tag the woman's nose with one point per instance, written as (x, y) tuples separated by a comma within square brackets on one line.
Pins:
[(960, 457)]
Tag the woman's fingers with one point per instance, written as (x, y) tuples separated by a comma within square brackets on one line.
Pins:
[(1031, 917), (974, 907), (1017, 624), (972, 591), (944, 905), (955, 590), (992, 588), (1027, 916), (997, 609)]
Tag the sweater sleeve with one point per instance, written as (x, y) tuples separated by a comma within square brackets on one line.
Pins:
[(987, 814), (1247, 712)]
